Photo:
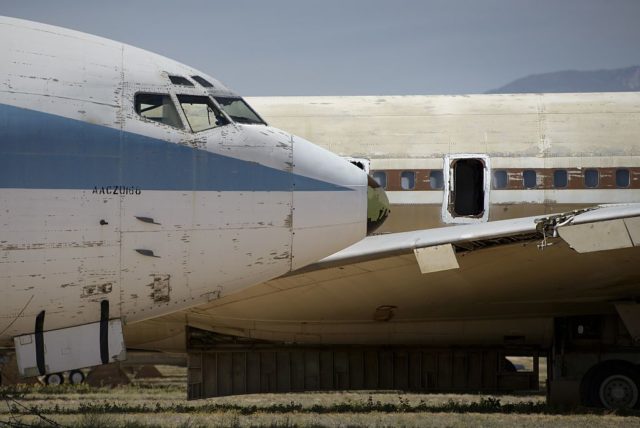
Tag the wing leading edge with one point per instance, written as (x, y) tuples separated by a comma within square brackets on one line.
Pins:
[(599, 228)]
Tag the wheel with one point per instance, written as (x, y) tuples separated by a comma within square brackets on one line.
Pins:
[(76, 377), (615, 385), (54, 379)]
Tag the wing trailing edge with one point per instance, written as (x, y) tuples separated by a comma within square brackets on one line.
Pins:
[(596, 228)]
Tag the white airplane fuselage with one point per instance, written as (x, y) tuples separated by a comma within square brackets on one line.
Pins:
[(415, 141), (583, 149), (124, 177)]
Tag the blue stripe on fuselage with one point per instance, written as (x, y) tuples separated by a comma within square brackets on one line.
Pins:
[(44, 151)]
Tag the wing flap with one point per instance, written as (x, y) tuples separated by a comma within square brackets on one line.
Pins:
[(596, 228), (602, 235), (436, 258)]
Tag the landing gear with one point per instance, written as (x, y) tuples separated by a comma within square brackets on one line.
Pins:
[(613, 385), (76, 377), (54, 379)]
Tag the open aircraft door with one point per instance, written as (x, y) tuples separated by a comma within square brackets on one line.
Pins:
[(467, 182)]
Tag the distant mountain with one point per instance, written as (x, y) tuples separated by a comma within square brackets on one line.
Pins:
[(618, 80)]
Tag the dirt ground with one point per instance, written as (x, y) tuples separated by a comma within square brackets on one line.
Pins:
[(161, 402)]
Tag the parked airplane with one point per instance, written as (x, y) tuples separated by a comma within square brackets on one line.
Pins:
[(197, 172), (434, 304), (132, 186)]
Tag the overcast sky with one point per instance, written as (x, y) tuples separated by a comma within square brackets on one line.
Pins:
[(342, 47)]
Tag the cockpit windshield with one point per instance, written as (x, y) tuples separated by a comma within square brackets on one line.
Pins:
[(201, 113), (239, 111)]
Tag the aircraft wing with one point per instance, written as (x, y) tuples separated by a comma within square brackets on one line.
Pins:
[(603, 227), (429, 279)]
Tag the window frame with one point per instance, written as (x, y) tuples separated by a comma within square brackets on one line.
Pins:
[(412, 181), (566, 178), (535, 179), (188, 84), (213, 103), (584, 178), (173, 101), (628, 178), (496, 181), (384, 174), (202, 81), (215, 98), (431, 186)]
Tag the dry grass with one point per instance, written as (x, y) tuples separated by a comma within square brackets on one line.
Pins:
[(161, 402)]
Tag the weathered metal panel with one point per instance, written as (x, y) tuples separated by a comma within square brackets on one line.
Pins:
[(474, 370), (460, 370), (69, 348), (356, 370), (195, 379), (290, 369), (253, 373), (94, 195), (371, 369), (268, 376), (600, 236), (312, 370), (436, 258), (298, 368), (210, 375), (490, 370), (401, 370), (224, 373), (445, 370)]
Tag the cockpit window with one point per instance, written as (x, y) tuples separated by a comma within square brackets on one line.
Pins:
[(179, 80), (202, 81), (239, 110), (159, 108), (201, 113)]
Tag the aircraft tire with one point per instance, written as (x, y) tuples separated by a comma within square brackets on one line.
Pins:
[(614, 385), (76, 377), (54, 379)]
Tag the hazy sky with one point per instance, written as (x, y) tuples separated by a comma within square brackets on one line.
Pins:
[(329, 47)]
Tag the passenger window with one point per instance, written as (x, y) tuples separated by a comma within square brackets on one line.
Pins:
[(560, 178), (159, 108), (201, 113), (179, 80), (500, 179), (591, 178), (436, 180), (622, 177), (202, 81), (529, 179), (381, 178), (408, 180)]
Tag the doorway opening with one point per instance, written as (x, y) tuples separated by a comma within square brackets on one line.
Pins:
[(466, 189)]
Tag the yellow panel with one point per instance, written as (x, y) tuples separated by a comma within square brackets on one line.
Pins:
[(599, 236), (436, 259)]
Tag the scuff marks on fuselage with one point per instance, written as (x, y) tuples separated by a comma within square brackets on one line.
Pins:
[(221, 199)]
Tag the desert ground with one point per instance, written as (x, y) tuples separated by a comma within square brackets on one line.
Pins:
[(161, 402)]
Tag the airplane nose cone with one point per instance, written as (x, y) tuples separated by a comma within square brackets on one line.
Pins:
[(377, 205)]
